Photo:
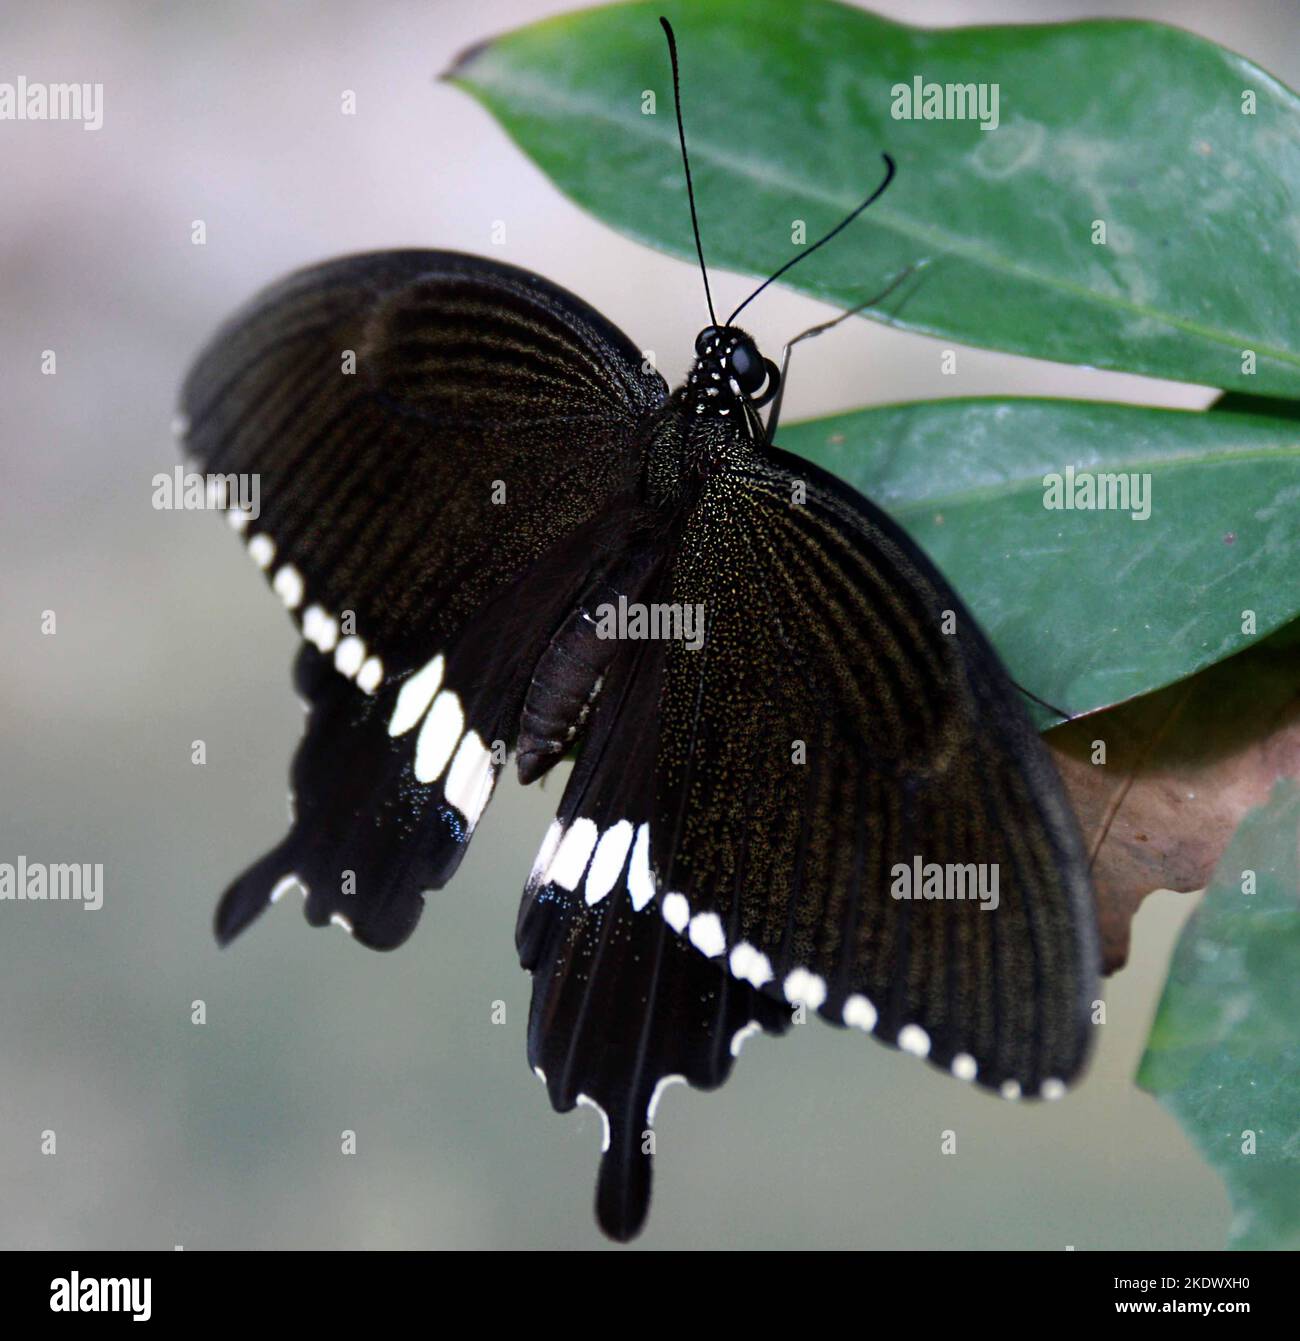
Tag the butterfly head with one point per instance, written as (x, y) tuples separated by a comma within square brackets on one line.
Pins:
[(729, 373)]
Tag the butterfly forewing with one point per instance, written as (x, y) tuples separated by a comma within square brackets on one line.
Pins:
[(846, 723), (425, 425)]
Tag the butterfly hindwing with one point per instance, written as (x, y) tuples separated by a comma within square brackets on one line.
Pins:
[(388, 787), (621, 1006), (429, 431), (844, 721)]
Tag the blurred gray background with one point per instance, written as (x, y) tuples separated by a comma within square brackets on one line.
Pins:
[(228, 1134)]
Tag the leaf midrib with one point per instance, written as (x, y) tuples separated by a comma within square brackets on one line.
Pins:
[(1028, 483), (523, 84)]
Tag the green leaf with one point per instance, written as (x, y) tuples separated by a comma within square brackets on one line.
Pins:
[(788, 108), (1224, 1055), (1087, 608)]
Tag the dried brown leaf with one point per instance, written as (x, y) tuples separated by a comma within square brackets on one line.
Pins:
[(1182, 767)]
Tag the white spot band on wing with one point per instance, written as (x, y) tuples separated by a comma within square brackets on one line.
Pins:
[(570, 860), (607, 863), (438, 736), (469, 783), (640, 879), (414, 697)]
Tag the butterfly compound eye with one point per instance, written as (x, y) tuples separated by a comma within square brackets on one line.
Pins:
[(705, 341), (747, 366)]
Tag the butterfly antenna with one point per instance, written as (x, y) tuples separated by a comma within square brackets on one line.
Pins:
[(686, 162), (822, 241)]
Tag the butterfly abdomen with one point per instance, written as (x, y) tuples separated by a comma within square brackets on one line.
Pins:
[(570, 671)]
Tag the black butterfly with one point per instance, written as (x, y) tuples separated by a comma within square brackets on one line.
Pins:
[(451, 524)]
